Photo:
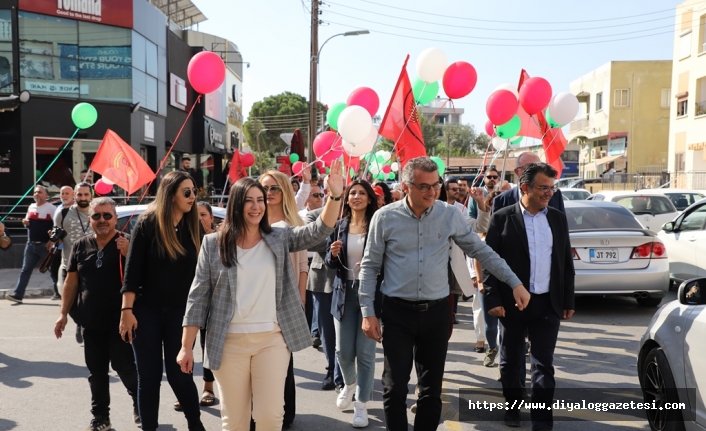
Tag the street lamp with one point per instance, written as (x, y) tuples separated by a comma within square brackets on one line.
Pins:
[(313, 100)]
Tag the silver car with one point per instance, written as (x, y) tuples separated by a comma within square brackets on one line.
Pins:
[(671, 362), (614, 254), (130, 213)]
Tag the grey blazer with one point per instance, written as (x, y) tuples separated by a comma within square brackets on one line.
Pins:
[(320, 276), (211, 298)]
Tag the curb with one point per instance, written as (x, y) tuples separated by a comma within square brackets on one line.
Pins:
[(29, 293)]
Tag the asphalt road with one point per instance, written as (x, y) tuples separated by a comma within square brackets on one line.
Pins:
[(43, 380)]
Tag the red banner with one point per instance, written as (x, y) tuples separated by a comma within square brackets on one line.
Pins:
[(236, 170), (118, 162), (108, 12)]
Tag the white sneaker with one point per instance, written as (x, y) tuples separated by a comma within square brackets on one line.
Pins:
[(345, 397), (360, 415)]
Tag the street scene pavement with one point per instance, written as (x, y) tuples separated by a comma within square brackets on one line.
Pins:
[(43, 381)]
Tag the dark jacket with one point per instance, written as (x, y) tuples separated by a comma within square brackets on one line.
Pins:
[(338, 301), (512, 196), (508, 238)]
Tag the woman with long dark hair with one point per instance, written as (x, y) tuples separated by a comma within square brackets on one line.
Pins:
[(345, 251), (246, 295), (160, 265)]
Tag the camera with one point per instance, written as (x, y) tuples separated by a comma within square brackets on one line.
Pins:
[(57, 234)]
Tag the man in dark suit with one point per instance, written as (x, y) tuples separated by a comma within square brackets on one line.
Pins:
[(534, 239), (512, 196)]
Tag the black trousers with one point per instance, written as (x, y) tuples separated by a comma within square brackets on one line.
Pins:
[(542, 324), (102, 347), (419, 337), (54, 270)]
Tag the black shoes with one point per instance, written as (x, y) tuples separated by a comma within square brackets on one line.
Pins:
[(316, 342), (512, 418), (99, 424), (13, 299), (328, 384)]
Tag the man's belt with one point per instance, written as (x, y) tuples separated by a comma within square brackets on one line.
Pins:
[(415, 305)]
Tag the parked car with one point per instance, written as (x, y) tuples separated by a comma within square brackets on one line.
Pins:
[(672, 357), (614, 254), (652, 210), (575, 194), (685, 239), (132, 212), (680, 198)]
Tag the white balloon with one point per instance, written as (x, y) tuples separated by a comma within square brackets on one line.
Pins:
[(365, 146), (563, 108), (354, 124), (374, 168), (499, 144), (395, 166), (431, 65), (509, 87)]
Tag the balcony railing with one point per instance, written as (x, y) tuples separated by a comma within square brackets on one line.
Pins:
[(579, 124), (700, 108)]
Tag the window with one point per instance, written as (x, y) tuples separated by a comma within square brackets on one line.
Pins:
[(599, 101), (702, 34), (666, 97), (700, 97), (694, 220), (653, 205), (682, 107), (685, 45), (622, 97), (679, 162), (6, 52), (147, 62)]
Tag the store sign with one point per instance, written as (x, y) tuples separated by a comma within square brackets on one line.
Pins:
[(177, 92), (698, 146), (616, 146), (48, 87), (95, 62), (149, 129), (215, 139), (109, 12)]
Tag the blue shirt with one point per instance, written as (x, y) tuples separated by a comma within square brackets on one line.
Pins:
[(415, 253), (473, 205), (539, 240)]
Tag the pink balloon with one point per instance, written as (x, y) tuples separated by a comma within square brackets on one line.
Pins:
[(501, 106), (459, 80), (102, 188), (365, 97), (206, 72), (535, 95), (386, 169), (336, 151), (297, 168), (247, 159), (322, 170), (320, 164), (489, 130), (323, 142)]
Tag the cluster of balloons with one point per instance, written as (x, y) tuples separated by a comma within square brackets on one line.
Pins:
[(458, 79), (534, 96), (206, 72), (381, 166), (354, 122)]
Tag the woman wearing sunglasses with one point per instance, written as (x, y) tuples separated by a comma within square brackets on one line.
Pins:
[(160, 265), (246, 294)]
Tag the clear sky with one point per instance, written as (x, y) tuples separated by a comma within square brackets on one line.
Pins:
[(555, 39)]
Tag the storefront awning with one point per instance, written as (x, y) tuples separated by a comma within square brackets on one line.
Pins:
[(606, 160)]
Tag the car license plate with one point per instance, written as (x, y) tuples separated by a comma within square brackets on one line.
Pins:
[(603, 254)]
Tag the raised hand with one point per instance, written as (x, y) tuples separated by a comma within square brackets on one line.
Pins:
[(335, 179)]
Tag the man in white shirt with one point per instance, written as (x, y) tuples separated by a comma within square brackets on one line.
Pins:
[(67, 199), (303, 193)]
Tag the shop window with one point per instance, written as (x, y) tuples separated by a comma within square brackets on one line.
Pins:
[(6, 51)]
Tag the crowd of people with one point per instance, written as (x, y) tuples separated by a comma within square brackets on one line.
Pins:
[(344, 267)]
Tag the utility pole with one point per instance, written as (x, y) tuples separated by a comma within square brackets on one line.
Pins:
[(313, 63)]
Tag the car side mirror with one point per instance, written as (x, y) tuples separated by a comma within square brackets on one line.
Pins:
[(691, 292), (668, 227)]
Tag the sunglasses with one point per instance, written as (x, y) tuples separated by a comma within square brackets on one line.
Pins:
[(187, 192), (97, 216), (99, 261), (454, 189), (492, 177), (317, 195), (273, 189)]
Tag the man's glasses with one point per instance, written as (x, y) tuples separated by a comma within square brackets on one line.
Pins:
[(187, 192), (426, 187), (492, 177), (273, 189), (99, 262), (454, 189), (106, 216), (317, 195), (545, 189)]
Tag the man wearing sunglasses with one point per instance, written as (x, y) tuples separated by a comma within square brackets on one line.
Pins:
[(490, 180), (512, 196), (94, 276)]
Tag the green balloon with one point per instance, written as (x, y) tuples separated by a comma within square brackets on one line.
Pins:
[(391, 176), (423, 92), (37, 173), (367, 157), (294, 157), (351, 172), (516, 140), (333, 113), (84, 115), (380, 159), (381, 176), (510, 129), (553, 124), (440, 164)]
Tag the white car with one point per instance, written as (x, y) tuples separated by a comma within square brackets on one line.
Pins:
[(671, 362), (132, 212), (681, 198), (652, 210), (685, 239), (575, 194)]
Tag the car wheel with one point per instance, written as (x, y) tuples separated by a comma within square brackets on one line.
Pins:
[(648, 302), (658, 387)]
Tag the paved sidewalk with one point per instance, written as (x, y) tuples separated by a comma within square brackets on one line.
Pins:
[(39, 284)]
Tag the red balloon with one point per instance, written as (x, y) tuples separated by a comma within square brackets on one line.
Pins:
[(327, 146), (365, 97), (386, 169), (247, 159), (489, 130), (206, 72), (297, 168), (320, 164), (501, 106), (535, 95), (102, 188), (459, 80), (322, 170)]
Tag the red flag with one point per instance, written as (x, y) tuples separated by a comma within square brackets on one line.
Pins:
[(118, 162), (236, 170), (401, 121)]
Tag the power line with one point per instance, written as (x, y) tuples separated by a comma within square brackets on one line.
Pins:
[(524, 22), (427, 22), (496, 38)]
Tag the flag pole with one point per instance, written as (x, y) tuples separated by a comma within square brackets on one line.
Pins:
[(502, 176)]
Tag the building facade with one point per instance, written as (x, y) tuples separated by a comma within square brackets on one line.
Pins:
[(687, 116), (623, 125)]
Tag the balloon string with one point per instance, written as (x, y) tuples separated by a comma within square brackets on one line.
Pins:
[(485, 157), (41, 176), (439, 110)]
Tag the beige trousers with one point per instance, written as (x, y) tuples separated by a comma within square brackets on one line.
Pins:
[(251, 377)]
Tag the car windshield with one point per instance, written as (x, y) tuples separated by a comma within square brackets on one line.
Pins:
[(653, 205), (683, 200), (592, 218), (575, 194)]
